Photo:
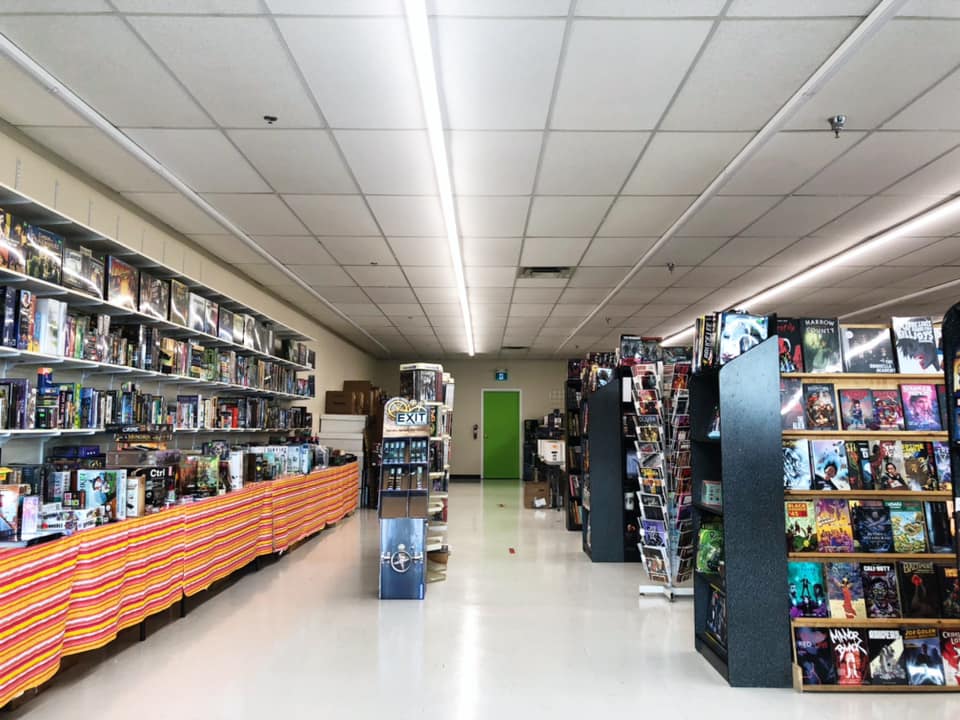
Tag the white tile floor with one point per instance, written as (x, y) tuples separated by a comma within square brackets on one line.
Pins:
[(541, 633)]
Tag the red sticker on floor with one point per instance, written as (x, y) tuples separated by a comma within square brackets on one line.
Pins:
[(512, 551)]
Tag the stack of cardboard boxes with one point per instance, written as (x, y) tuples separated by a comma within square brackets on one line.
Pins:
[(358, 397)]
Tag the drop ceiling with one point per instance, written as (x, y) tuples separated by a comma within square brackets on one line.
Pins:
[(578, 132)]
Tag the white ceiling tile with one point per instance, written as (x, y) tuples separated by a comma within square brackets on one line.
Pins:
[(408, 313), (54, 6), (685, 250), (436, 295), (434, 310), (809, 251), (937, 178), (582, 295), (556, 215), (408, 215), (93, 56), (27, 102), (545, 251), (491, 251), (649, 8), (587, 163), (636, 295), (360, 69), (429, 276), (490, 276), (257, 214), (541, 282), (931, 8), (787, 160), (295, 161), (604, 251), (335, 7), (227, 247), (389, 162), (494, 163), (489, 294), (188, 7), (749, 69), (421, 250), (937, 109), (658, 309), (727, 215), (536, 295), (482, 217), (902, 251), (204, 159), (710, 277), (302, 250), (530, 310), (102, 158), (809, 8), (497, 74), (379, 321), (621, 75), (662, 276), (499, 8), (359, 250), (597, 276), (322, 276), (387, 295), (635, 216), (370, 276), (904, 58), (571, 310), (943, 252), (360, 311), (801, 215), (223, 59), (683, 163), (879, 213), (492, 314), (880, 160), (746, 251), (178, 212), (265, 274), (333, 214)]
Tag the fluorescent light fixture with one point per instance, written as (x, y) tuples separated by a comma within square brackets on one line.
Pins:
[(88, 113), (676, 337), (418, 28)]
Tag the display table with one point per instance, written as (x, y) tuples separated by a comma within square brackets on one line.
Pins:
[(77, 593)]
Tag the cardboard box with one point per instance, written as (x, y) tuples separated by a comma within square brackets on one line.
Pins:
[(536, 495), (338, 402), (360, 386)]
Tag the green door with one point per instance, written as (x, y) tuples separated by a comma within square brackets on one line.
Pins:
[(501, 434)]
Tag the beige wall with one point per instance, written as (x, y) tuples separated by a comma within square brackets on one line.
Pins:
[(33, 172), (541, 383)]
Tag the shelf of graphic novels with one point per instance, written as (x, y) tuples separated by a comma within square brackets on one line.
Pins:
[(869, 505)]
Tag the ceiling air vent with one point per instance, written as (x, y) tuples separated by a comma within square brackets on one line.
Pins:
[(514, 348), (545, 273)]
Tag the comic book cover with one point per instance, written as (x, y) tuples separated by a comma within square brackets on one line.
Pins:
[(856, 409), (806, 590), (939, 517), (197, 312), (791, 404), (921, 653), (850, 655), (918, 466), (886, 657), (801, 526), (815, 656), (949, 580), (845, 590), (921, 408), (154, 296), (225, 325), (44, 254), (179, 303), (867, 349), (829, 465), (635, 349), (887, 410), (710, 548), (950, 652), (909, 528), (941, 456), (858, 464), (834, 531), (880, 591), (886, 458), (820, 409), (919, 589), (13, 242), (916, 345), (716, 624), (872, 529), (122, 284), (790, 339), (796, 465), (739, 332), (821, 345)]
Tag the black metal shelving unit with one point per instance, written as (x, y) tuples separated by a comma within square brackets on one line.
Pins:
[(747, 460), (573, 422), (951, 348), (603, 508)]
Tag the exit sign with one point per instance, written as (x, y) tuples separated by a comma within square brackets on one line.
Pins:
[(500, 375)]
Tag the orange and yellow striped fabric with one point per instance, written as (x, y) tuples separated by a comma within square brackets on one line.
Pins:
[(76, 593)]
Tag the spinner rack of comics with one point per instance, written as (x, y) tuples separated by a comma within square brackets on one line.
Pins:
[(642, 396), (680, 479)]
